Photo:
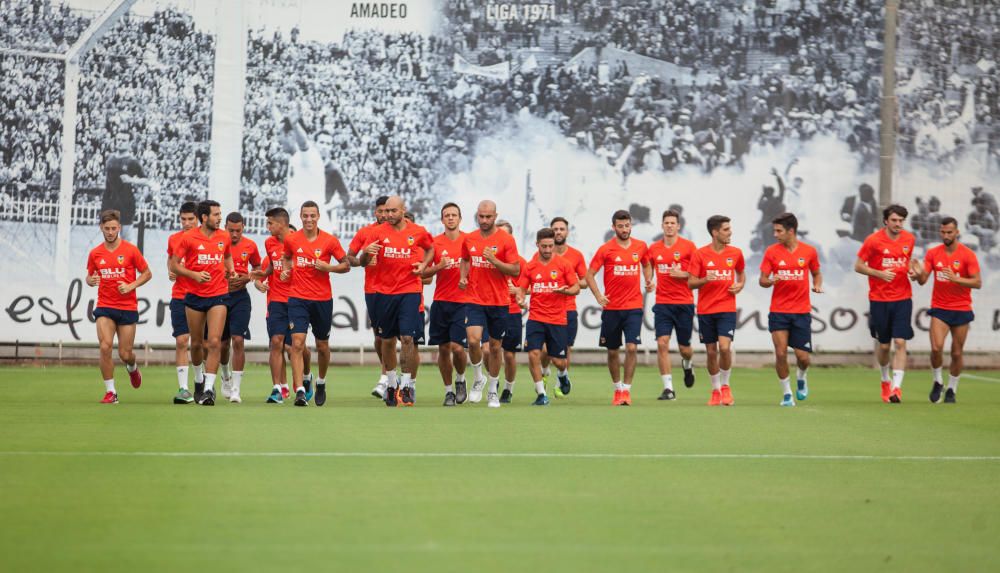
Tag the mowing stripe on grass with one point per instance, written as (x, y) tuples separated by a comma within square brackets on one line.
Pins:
[(529, 455)]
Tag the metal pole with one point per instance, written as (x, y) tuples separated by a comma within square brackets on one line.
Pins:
[(525, 232), (887, 130)]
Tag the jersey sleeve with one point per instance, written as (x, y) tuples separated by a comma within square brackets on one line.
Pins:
[(140, 261), (425, 241), (91, 267), (510, 252), (740, 263), (581, 267), (973, 264), (255, 256), (766, 267), (571, 275), (335, 249), (864, 253), (180, 249), (694, 267), (359, 241), (598, 261), (814, 261), (465, 249)]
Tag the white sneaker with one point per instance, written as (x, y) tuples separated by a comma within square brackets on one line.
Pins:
[(227, 387), (476, 392), (492, 400), (379, 390), (234, 398)]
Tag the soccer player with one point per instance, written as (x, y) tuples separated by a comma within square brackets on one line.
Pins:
[(246, 257), (785, 266), (399, 296), (621, 258), (207, 263), (117, 268), (886, 259), (511, 342), (489, 258), (956, 273), (358, 243), (560, 226), (178, 317), (674, 308), (279, 337), (552, 283), (307, 265), (717, 271), (447, 327)]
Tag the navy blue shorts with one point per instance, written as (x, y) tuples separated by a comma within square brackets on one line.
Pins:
[(952, 317), (372, 307), (447, 323), (668, 317), (712, 326), (492, 318), (239, 313), (798, 325), (553, 336), (120, 317), (421, 339), (178, 317), (304, 313), (572, 325), (512, 337), (890, 320), (615, 323), (204, 303), (398, 315), (277, 320)]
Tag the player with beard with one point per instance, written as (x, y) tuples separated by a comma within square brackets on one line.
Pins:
[(246, 264), (178, 317), (512, 339), (560, 226), (358, 243)]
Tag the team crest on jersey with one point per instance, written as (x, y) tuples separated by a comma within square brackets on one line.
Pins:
[(221, 246), (677, 255), (802, 262), (244, 255), (906, 250), (956, 264), (121, 259), (729, 261), (317, 252), (635, 257), (553, 274), (409, 241)]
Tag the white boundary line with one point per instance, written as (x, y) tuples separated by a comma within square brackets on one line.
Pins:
[(504, 455), (978, 377)]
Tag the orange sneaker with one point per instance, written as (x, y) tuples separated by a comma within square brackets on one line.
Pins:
[(896, 396), (886, 390), (716, 399), (109, 398), (727, 396), (626, 398), (617, 401)]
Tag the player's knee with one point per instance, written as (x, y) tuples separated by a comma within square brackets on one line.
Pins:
[(956, 354), (560, 363), (781, 354), (213, 343), (899, 344), (238, 344), (687, 352), (663, 344), (106, 347), (803, 360), (725, 346), (322, 346)]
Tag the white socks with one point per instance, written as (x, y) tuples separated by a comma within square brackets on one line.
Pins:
[(564, 373), (320, 381), (237, 379), (509, 385), (801, 374), (668, 381), (619, 386), (724, 376), (407, 380), (209, 382), (130, 367), (449, 388), (686, 363), (460, 377), (937, 374), (226, 369), (199, 373), (390, 379), (716, 380), (546, 372), (494, 384), (953, 382), (897, 378), (786, 385), (886, 376), (182, 377), (109, 385), (477, 371), (540, 388)]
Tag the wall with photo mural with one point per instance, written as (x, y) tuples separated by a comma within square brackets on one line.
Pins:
[(570, 108)]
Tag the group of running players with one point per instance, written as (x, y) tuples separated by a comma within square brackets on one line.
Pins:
[(482, 286)]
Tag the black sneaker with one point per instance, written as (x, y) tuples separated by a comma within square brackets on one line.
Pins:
[(949, 396), (505, 396), (199, 389), (207, 398), (449, 399), (667, 394), (565, 386), (390, 397), (300, 398), (936, 392), (688, 377), (461, 392), (406, 396), (320, 397)]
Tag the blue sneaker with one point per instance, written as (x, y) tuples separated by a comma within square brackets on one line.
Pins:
[(308, 385), (787, 400), (803, 390), (275, 397), (565, 385), (541, 400)]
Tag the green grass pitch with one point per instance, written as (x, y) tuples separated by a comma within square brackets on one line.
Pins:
[(842, 482)]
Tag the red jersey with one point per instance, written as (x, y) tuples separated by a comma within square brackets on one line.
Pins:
[(201, 253), (120, 266), (622, 273), (446, 283), (487, 286), (720, 269), (519, 281), (245, 255), (394, 271), (358, 244), (883, 254), (579, 264), (541, 280), (306, 282), (791, 270), (946, 294), (181, 284), (663, 258), (277, 289)]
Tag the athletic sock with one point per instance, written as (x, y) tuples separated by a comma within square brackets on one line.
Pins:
[(209, 382), (619, 386), (237, 379), (937, 374), (724, 376), (182, 377), (786, 385), (227, 372), (716, 380), (686, 363), (953, 382), (508, 385), (668, 381), (477, 371), (131, 367), (383, 380), (886, 375), (564, 373), (199, 373), (277, 387), (407, 380), (801, 374), (449, 388), (307, 377), (540, 388), (109, 385), (390, 379), (320, 381), (460, 377), (546, 372), (626, 387), (897, 378), (494, 384)]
